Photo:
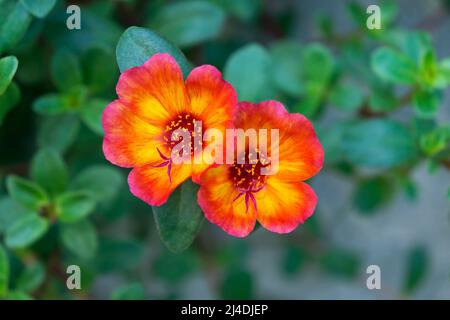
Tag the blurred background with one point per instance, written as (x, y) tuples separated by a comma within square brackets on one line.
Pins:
[(379, 100)]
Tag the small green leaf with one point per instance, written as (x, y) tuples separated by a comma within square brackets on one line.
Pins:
[(18, 295), (348, 97), (80, 239), (58, 132), (66, 70), (38, 8), (4, 272), (435, 141), (8, 100), (318, 64), (371, 194), (378, 143), (26, 231), (416, 268), (132, 291), (179, 220), (288, 72), (237, 285), (14, 26), (51, 104), (391, 65), (73, 206), (249, 70), (99, 69), (340, 262), (10, 212), (137, 45), (443, 74), (49, 171), (426, 103), (101, 182), (25, 192), (31, 278), (189, 22), (91, 114), (382, 99), (8, 68)]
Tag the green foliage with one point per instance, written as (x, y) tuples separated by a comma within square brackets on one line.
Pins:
[(49, 170), (80, 239), (179, 221), (4, 272), (132, 291), (31, 278), (73, 206), (8, 67), (237, 284), (416, 268), (372, 193), (340, 263), (25, 231), (27, 193)]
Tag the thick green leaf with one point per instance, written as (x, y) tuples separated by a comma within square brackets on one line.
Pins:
[(51, 104), (10, 212), (73, 206), (66, 70), (132, 291), (49, 171), (14, 26), (179, 220), (435, 141), (31, 278), (25, 192), (378, 143), (340, 263), (99, 69), (371, 194), (58, 132), (38, 8), (26, 231), (8, 68), (4, 272), (288, 72), (392, 65), (101, 182), (189, 22), (318, 64), (8, 100), (347, 97), (80, 239), (237, 284), (249, 70), (92, 114), (416, 268), (137, 45), (426, 103)]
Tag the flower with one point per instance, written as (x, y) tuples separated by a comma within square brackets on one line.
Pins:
[(154, 101), (235, 196)]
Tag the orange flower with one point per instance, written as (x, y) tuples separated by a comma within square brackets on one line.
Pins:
[(154, 101), (235, 196)]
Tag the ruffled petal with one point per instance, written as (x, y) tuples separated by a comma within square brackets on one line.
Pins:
[(151, 184), (129, 140), (155, 90), (283, 205), (217, 198)]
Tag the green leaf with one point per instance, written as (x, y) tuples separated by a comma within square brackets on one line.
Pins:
[(51, 104), (443, 74), (18, 295), (4, 272), (132, 291), (80, 239), (249, 70), (294, 259), (243, 9), (426, 103), (101, 182), (49, 171), (416, 268), (8, 100), (8, 68), (288, 72), (179, 220), (26, 231), (65, 70), (99, 69), (348, 97), (189, 22), (382, 99), (393, 66), (73, 206), (116, 255), (13, 27), (31, 278), (25, 192), (379, 143), (58, 132), (137, 45), (10, 212), (91, 115), (318, 64), (340, 263), (175, 268), (416, 45), (435, 141), (371, 194), (39, 8), (237, 285)]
